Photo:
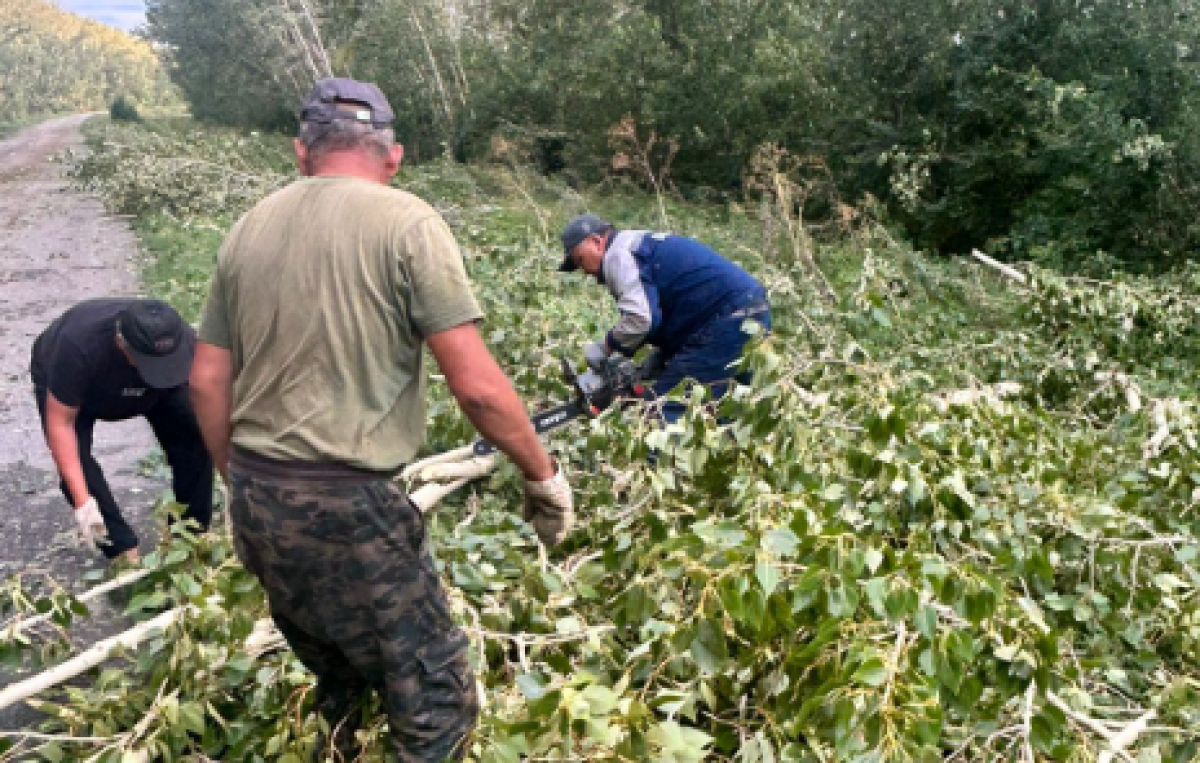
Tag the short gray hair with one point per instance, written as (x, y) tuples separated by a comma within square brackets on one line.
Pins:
[(345, 135)]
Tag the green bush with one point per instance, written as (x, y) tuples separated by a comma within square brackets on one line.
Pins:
[(123, 109)]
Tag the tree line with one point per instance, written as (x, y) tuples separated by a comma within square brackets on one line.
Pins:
[(54, 62), (1056, 130)]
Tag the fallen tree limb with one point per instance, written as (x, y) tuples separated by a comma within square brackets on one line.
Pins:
[(1007, 270), (37, 736), (17, 626), (460, 465), (1126, 737), (991, 394), (428, 496), (90, 658), (1117, 740), (469, 468), (414, 470)]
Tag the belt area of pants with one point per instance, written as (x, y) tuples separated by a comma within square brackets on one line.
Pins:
[(264, 467)]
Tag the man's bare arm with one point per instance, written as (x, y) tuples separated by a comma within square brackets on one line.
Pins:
[(211, 385), (488, 398), (64, 447)]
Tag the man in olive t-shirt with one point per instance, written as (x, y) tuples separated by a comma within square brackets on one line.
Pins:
[(326, 329), (309, 387)]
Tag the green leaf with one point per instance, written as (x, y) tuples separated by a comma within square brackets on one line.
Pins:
[(601, 700), (754, 609), (901, 603), (767, 575), (876, 590), (980, 605), (871, 672), (1044, 728), (1034, 612), (677, 744), (1007, 652), (781, 542), (532, 685), (927, 620), (843, 598), (731, 591), (191, 716), (1169, 582), (873, 557), (708, 648), (934, 568), (722, 534), (833, 493)]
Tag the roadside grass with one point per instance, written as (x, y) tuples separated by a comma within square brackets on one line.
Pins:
[(177, 257)]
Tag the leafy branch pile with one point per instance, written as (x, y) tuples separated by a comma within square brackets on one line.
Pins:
[(184, 173), (952, 520)]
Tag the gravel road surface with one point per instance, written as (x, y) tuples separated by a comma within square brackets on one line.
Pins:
[(57, 247)]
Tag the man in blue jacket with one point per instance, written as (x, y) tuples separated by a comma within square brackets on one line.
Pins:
[(673, 293)]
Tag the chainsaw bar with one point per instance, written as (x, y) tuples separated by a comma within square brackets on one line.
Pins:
[(551, 418), (595, 390)]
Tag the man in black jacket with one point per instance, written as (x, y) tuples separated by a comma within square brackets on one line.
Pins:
[(111, 360)]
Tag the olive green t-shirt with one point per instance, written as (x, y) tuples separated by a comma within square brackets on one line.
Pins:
[(323, 293)]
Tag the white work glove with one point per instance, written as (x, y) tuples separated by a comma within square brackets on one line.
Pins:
[(549, 507), (92, 531), (596, 356)]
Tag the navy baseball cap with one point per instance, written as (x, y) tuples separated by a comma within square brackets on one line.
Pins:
[(160, 343), (576, 231), (341, 98)]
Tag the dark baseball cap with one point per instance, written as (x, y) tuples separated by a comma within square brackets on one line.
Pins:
[(576, 231), (159, 341), (335, 98)]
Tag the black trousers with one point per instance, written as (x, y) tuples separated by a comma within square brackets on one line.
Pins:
[(175, 427)]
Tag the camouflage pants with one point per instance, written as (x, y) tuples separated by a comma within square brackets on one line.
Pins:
[(350, 580)]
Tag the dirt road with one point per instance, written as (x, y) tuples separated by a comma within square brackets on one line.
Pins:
[(57, 247)]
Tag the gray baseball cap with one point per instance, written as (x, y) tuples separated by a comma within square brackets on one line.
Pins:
[(576, 231), (330, 100)]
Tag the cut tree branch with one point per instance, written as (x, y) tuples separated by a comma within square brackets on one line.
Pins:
[(1007, 270), (13, 627), (90, 658)]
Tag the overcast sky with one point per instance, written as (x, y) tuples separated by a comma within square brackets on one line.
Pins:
[(123, 14)]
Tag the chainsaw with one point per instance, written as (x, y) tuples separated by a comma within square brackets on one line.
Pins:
[(595, 390)]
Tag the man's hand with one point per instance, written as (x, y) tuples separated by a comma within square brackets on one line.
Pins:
[(549, 507), (596, 356), (92, 531)]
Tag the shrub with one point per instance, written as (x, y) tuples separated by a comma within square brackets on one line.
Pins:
[(123, 109)]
